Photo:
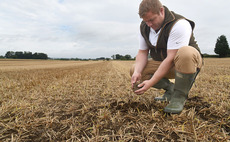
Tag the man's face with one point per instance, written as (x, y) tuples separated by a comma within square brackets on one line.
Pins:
[(154, 20)]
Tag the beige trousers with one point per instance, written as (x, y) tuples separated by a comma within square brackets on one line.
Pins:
[(187, 60)]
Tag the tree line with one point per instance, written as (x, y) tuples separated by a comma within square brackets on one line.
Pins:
[(121, 57), (114, 57), (25, 55)]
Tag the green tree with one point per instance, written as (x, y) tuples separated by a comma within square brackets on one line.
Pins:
[(9, 54), (19, 54), (128, 57), (40, 56), (222, 47), (28, 55), (118, 56)]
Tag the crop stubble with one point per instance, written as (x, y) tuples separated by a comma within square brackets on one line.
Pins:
[(93, 101)]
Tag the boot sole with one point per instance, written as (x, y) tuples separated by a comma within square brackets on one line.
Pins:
[(172, 112)]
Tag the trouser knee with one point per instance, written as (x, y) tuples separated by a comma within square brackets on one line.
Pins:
[(187, 60)]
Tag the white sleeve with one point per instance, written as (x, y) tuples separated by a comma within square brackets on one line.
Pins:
[(180, 35), (142, 43)]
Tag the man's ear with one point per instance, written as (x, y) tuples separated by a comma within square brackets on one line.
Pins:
[(162, 10)]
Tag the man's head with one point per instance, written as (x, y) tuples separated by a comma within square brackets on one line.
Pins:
[(152, 12), (149, 5)]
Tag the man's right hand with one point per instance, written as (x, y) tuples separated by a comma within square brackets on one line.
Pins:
[(141, 61), (135, 78)]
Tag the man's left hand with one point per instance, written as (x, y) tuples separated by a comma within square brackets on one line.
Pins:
[(144, 86)]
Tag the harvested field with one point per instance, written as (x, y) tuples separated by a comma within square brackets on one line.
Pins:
[(93, 101)]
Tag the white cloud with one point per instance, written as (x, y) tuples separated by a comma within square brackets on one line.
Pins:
[(91, 29)]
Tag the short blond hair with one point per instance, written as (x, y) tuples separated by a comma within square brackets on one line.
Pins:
[(149, 5)]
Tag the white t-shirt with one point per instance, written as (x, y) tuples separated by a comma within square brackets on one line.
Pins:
[(179, 36)]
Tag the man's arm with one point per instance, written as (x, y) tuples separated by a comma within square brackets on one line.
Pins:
[(162, 70), (141, 61)]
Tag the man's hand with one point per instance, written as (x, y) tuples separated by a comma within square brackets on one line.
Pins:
[(141, 61), (144, 86), (135, 78)]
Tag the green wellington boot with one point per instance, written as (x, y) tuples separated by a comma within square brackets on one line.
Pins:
[(183, 83), (167, 86)]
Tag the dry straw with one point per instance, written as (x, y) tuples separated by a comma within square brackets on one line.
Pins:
[(93, 101)]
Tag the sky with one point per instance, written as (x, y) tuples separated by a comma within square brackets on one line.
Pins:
[(98, 28)]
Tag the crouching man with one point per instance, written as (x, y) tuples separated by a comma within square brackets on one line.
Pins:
[(168, 37)]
